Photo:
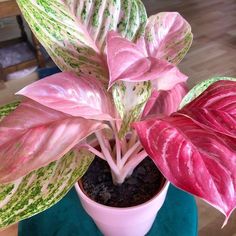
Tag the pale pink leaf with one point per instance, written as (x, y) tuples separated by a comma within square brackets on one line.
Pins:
[(32, 136), (165, 102), (194, 159), (167, 36), (128, 63), (68, 93)]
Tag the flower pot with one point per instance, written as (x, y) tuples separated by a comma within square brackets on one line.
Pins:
[(128, 221)]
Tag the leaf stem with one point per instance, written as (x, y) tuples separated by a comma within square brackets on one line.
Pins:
[(130, 152), (106, 152)]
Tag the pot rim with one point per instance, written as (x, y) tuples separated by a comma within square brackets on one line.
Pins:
[(123, 209)]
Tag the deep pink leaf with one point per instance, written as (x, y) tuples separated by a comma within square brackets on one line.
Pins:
[(33, 136), (194, 159), (68, 93), (167, 36), (215, 108), (165, 102), (128, 63)]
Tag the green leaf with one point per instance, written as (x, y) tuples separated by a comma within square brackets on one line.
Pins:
[(74, 32), (41, 188), (200, 88), (130, 99), (5, 110)]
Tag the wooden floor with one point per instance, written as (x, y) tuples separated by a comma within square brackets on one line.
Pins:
[(213, 53)]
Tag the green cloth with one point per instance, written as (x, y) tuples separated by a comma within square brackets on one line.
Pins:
[(177, 217)]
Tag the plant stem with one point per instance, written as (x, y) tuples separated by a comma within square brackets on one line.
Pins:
[(106, 153), (133, 162), (94, 151), (132, 139), (130, 152), (117, 146)]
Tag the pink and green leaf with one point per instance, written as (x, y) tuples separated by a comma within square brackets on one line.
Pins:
[(213, 112), (200, 88), (32, 136), (74, 33), (77, 96), (167, 36), (126, 62), (42, 188), (164, 103), (130, 109)]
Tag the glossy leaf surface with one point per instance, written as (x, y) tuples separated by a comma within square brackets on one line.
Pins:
[(167, 36), (210, 110), (127, 62), (164, 103), (77, 96), (195, 148), (32, 136), (194, 159)]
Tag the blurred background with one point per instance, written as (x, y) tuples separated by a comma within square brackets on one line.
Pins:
[(213, 53)]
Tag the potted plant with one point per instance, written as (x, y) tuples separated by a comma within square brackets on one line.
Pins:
[(116, 99)]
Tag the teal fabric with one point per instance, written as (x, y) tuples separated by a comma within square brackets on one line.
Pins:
[(177, 217)]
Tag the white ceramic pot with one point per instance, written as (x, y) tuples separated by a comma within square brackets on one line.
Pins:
[(128, 221)]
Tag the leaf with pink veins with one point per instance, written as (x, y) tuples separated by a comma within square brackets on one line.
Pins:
[(215, 108), (194, 159), (127, 62), (167, 36), (77, 96), (32, 136), (165, 102)]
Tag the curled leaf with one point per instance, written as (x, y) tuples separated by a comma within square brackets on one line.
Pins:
[(167, 36), (127, 62)]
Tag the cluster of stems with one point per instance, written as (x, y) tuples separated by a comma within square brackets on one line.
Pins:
[(122, 155)]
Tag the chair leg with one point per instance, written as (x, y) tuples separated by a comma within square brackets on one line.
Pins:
[(22, 27), (39, 56), (2, 74)]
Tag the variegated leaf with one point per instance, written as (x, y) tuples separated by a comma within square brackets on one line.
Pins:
[(212, 112), (164, 103), (74, 32), (135, 66), (74, 95), (41, 188), (32, 136), (167, 36), (200, 88), (130, 99), (5, 110)]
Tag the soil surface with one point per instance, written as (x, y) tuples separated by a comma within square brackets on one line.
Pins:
[(144, 183)]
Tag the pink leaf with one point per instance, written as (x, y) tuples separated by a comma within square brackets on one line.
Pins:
[(215, 108), (167, 36), (32, 136), (127, 62), (194, 159), (68, 93), (165, 102)]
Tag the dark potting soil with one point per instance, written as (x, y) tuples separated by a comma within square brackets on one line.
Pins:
[(140, 187)]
